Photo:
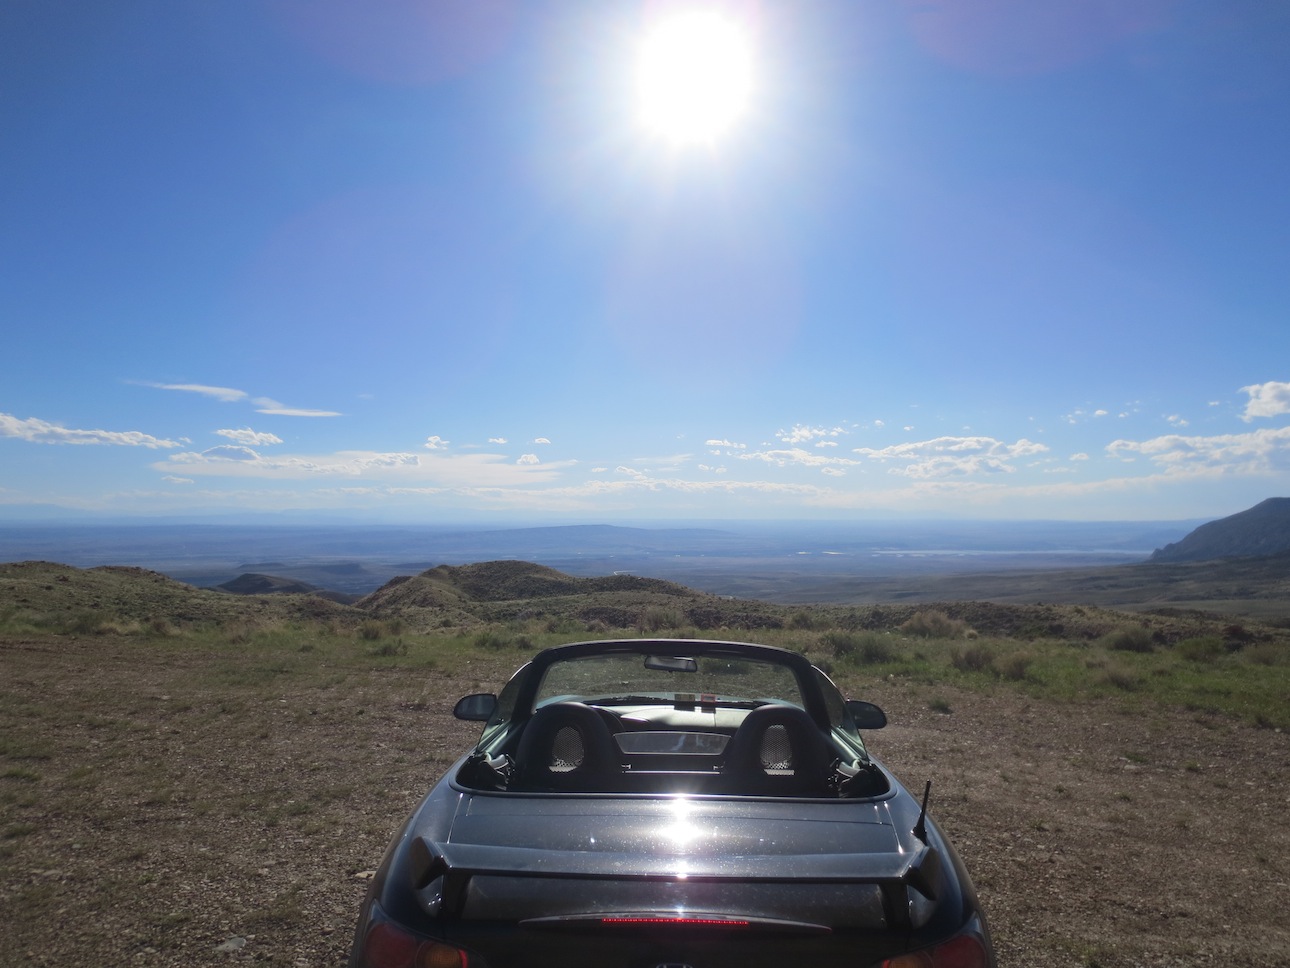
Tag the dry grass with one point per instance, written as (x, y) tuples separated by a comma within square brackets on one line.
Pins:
[(162, 798)]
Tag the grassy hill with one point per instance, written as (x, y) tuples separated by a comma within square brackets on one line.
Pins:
[(44, 596), (1182, 657)]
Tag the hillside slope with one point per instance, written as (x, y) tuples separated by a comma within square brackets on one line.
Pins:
[(502, 591), (1261, 530), (56, 597), (46, 597)]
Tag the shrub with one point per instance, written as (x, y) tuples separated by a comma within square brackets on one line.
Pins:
[(1203, 648), (371, 630), (867, 647), (1131, 638), (1264, 653), (1237, 636), (973, 658), (492, 639), (563, 625), (240, 632), (656, 617), (1016, 667), (1121, 678), (934, 625), (802, 620), (86, 623)]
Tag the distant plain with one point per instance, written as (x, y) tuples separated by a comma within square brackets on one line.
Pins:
[(787, 562)]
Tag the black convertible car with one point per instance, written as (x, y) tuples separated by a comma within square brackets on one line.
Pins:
[(670, 804)]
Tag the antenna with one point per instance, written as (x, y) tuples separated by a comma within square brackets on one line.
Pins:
[(920, 828)]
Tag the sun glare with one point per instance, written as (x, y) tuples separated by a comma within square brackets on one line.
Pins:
[(694, 76)]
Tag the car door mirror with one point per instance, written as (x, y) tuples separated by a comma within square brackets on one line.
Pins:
[(866, 715), (475, 708)]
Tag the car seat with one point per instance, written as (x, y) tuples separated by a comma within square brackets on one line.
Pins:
[(566, 747), (777, 751)]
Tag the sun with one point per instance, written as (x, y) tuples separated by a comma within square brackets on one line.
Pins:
[(694, 76)]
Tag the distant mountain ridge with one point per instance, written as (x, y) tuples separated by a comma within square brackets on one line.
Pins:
[(1258, 531)]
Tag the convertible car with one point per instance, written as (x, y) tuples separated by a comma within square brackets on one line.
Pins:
[(670, 804)]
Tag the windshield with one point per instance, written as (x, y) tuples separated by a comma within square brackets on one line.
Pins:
[(632, 677)]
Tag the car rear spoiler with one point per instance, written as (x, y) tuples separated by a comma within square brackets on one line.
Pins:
[(441, 872)]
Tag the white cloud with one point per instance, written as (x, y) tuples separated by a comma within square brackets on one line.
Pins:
[(249, 437), (953, 456), (1174, 420), (171, 479), (528, 459), (272, 407), (664, 461), (230, 452), (800, 434), (223, 394), (497, 440), (265, 405), (726, 444), (36, 431), (435, 442), (424, 470), (1079, 456), (387, 460), (1258, 452), (796, 456), (1266, 400), (541, 440)]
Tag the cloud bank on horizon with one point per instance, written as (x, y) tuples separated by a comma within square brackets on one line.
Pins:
[(944, 259)]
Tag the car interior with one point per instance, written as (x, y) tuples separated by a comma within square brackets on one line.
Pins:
[(689, 746)]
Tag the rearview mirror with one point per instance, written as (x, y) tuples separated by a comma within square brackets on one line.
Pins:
[(866, 715), (475, 708), (671, 663)]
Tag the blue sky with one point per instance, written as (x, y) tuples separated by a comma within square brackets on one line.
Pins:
[(417, 260)]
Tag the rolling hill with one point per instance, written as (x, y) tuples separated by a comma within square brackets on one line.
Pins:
[(43, 596)]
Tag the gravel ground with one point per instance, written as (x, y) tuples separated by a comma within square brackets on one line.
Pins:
[(161, 806)]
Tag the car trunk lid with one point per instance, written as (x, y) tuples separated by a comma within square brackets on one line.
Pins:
[(575, 863)]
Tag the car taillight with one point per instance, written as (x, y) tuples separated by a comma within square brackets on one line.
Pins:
[(389, 946), (962, 951)]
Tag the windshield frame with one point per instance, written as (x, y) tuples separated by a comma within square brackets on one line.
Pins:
[(522, 694)]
